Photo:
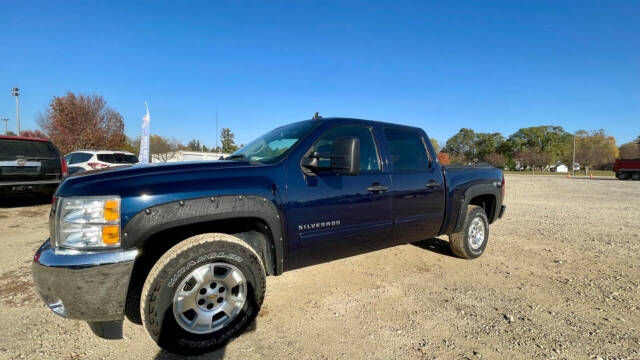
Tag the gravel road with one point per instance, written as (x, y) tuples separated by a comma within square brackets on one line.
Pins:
[(560, 279)]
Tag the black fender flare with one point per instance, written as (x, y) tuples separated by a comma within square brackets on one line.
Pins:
[(165, 216), (470, 193)]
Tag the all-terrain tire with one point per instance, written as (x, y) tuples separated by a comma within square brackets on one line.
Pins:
[(178, 263), (461, 244)]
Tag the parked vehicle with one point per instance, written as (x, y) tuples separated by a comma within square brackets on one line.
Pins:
[(184, 248), (30, 165), (627, 169), (100, 159)]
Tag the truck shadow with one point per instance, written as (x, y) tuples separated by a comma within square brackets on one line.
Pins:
[(435, 245), (218, 354)]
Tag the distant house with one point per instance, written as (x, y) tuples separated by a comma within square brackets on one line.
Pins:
[(187, 156), (561, 168)]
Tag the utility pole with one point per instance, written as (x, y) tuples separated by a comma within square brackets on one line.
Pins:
[(16, 92), (573, 163), (6, 122)]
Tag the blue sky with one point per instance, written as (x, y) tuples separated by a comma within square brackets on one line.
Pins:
[(488, 65)]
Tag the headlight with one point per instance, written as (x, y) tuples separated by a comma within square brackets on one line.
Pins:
[(88, 222)]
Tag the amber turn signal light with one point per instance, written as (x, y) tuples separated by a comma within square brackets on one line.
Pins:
[(111, 210), (111, 234)]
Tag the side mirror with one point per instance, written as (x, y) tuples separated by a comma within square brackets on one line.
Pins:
[(345, 157)]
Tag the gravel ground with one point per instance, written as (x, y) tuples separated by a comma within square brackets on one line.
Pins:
[(560, 279)]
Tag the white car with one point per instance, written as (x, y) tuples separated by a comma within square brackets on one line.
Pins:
[(98, 159)]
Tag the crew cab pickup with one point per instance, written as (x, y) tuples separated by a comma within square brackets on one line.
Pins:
[(184, 248)]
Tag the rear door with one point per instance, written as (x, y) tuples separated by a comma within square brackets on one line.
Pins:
[(418, 185), (28, 161)]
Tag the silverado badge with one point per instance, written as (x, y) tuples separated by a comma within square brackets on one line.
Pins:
[(318, 225)]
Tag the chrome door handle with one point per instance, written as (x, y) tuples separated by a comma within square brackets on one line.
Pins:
[(377, 188)]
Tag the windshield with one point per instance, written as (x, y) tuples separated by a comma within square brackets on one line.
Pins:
[(270, 147)]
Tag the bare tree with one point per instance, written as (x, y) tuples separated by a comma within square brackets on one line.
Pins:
[(496, 160), (33, 134), (163, 149), (82, 122), (532, 158)]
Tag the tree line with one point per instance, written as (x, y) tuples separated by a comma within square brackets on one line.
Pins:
[(74, 122), (537, 147)]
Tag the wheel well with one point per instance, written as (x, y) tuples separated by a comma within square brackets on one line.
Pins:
[(253, 231), (486, 202)]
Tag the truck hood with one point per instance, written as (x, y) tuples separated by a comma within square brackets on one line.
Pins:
[(116, 180), (144, 186)]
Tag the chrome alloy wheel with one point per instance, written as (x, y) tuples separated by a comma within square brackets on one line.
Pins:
[(476, 233), (209, 298)]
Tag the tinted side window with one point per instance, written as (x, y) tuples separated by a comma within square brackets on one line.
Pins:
[(368, 151), (118, 158), (406, 149), (80, 158), (106, 158)]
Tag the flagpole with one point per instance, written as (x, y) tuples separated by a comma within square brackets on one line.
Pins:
[(144, 139)]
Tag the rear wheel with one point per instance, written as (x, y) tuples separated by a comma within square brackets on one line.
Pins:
[(202, 292), (622, 175), (472, 240), (635, 175)]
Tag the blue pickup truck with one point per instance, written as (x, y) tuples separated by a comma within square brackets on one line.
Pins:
[(184, 248)]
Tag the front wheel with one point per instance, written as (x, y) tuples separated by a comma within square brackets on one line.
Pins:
[(472, 240), (202, 292)]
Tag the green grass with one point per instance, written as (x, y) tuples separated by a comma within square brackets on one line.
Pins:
[(578, 173)]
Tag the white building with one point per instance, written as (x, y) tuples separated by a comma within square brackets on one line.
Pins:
[(561, 168), (182, 155)]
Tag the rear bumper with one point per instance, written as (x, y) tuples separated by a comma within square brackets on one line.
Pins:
[(84, 286), (503, 208)]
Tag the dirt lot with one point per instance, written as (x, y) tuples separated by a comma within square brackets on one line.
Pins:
[(560, 279)]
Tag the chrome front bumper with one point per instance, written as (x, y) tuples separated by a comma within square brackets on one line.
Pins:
[(84, 286)]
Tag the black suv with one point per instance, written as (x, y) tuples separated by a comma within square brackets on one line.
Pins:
[(30, 165)]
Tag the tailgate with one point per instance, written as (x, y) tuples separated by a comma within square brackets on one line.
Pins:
[(26, 161)]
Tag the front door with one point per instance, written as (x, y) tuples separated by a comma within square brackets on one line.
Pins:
[(331, 216)]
